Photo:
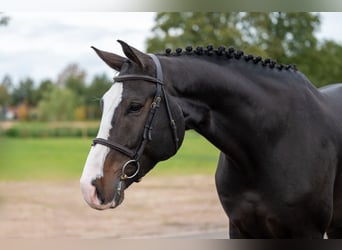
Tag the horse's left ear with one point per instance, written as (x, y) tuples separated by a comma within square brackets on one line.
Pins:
[(112, 60), (135, 55)]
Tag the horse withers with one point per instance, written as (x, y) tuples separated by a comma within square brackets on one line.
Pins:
[(280, 138)]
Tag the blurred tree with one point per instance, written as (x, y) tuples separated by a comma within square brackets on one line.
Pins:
[(80, 113), (5, 91), (59, 104), (45, 85), (5, 96), (98, 86), (178, 29), (23, 111), (287, 37), (3, 19), (73, 78), (273, 34), (322, 66), (281, 35), (25, 92), (70, 71)]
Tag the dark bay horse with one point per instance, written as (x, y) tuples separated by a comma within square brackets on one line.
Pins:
[(279, 172)]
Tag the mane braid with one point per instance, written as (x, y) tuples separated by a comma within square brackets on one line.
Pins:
[(229, 53)]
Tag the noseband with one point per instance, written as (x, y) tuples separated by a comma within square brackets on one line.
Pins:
[(160, 95)]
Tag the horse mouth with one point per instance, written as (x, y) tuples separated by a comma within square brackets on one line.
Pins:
[(94, 198), (100, 204)]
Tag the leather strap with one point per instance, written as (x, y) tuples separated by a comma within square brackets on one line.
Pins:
[(134, 77), (116, 146), (172, 121)]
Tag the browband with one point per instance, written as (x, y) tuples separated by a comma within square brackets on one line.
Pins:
[(133, 77)]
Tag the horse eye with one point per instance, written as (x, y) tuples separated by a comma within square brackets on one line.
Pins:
[(135, 107)]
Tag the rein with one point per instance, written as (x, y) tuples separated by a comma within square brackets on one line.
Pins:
[(134, 156)]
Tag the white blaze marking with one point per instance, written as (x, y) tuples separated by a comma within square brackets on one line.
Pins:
[(94, 164)]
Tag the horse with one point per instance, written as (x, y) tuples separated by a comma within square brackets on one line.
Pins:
[(279, 171)]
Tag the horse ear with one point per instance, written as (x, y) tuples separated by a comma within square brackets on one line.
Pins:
[(135, 55), (112, 60)]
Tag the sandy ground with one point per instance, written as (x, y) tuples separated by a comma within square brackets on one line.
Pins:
[(156, 207)]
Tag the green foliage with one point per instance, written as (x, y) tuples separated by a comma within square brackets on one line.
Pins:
[(48, 130), (64, 158), (178, 29), (69, 98), (99, 85), (287, 37), (44, 87), (25, 92), (73, 79), (324, 66), (5, 96), (57, 105), (275, 33), (281, 35)]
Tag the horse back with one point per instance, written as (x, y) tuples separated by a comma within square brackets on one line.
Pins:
[(333, 95)]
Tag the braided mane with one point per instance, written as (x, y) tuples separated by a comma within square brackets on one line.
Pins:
[(229, 53)]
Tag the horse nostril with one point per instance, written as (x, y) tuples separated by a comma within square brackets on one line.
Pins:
[(98, 190), (100, 197), (93, 182)]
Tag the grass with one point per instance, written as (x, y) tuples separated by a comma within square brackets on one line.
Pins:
[(196, 156), (50, 129), (22, 159), (63, 158)]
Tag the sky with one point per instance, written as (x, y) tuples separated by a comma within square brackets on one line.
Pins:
[(41, 44)]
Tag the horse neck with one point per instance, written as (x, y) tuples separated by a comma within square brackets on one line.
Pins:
[(230, 103)]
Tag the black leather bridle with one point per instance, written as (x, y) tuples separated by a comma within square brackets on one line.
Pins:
[(135, 155)]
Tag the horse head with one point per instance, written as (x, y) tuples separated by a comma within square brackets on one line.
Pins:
[(141, 125)]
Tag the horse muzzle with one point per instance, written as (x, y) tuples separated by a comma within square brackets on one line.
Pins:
[(103, 193), (94, 200)]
